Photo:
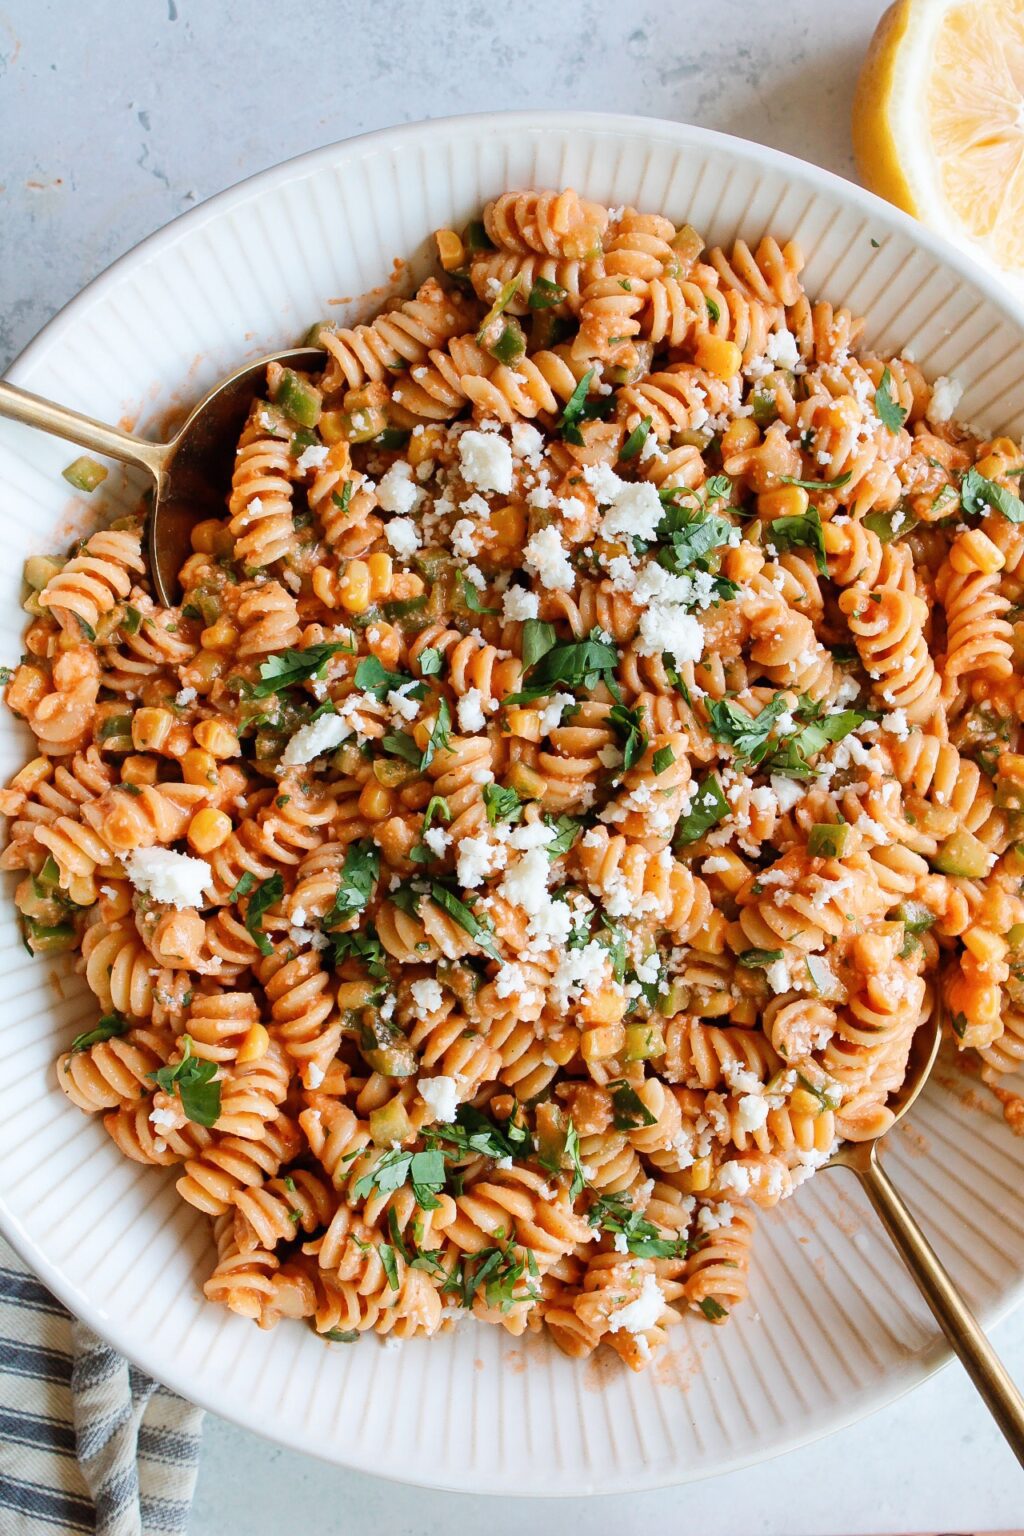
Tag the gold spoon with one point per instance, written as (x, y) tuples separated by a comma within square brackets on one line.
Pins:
[(948, 1307), (190, 474)]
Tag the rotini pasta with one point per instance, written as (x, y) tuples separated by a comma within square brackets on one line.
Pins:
[(582, 756)]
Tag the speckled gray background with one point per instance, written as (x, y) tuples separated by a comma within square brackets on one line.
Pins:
[(116, 115)]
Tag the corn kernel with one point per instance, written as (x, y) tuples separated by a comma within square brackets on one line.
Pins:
[(220, 636), (208, 829), (354, 587), (743, 562), (451, 253), (509, 525), (205, 670), (783, 501), (697, 1177), (380, 568), (217, 737), (205, 536), (524, 723), (804, 1103), (985, 945), (421, 732), (604, 1040), (255, 1044), (139, 770), (375, 801), (199, 767), (151, 728), (718, 357), (565, 1047), (975, 551), (739, 435), (424, 445), (744, 1012), (604, 1006), (992, 465)]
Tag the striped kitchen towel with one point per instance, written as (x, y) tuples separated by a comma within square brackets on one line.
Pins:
[(87, 1442)]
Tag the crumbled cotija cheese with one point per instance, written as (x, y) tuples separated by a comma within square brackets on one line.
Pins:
[(175, 878)]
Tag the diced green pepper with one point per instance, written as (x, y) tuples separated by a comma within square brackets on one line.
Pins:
[(85, 474), (389, 1123), (828, 840), (301, 400), (644, 1041), (962, 854), (43, 940), (38, 570), (115, 729), (510, 344)]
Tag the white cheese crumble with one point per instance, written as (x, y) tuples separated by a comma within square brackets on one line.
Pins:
[(427, 994), (311, 457), (437, 840), (442, 1096), (518, 604), (478, 858), (486, 461), (175, 878), (545, 555), (642, 1313), (946, 396), (470, 711), (316, 737), (396, 491), (403, 536), (184, 697)]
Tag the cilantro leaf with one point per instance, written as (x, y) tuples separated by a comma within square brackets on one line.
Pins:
[(375, 678), (889, 412), (629, 1112), (471, 595), (977, 493), (614, 1214), (501, 803), (108, 1028), (628, 725), (242, 886), (636, 439), (804, 529), (286, 668), (708, 806), (571, 662), (359, 875), (461, 914), (193, 1078), (538, 638), (262, 899), (713, 1310), (364, 945), (818, 485), (440, 735), (791, 757), (567, 830), (746, 734), (430, 661), (662, 759)]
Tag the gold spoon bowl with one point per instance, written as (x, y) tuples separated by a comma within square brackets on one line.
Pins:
[(962, 1329), (190, 473)]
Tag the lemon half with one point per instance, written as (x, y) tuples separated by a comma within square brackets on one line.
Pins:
[(938, 119)]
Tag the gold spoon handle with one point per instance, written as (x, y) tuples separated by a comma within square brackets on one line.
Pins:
[(949, 1309), (33, 411)]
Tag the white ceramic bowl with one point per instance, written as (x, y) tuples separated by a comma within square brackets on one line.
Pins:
[(834, 1328)]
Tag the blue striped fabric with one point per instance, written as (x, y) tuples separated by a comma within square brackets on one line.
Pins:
[(87, 1442)]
